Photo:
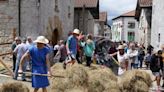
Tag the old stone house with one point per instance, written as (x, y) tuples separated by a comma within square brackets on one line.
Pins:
[(125, 27), (102, 22), (86, 11), (144, 16), (157, 33), (51, 18)]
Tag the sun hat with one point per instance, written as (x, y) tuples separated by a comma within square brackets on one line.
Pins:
[(120, 47), (41, 39), (76, 31)]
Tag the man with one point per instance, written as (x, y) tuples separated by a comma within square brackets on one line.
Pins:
[(19, 51), (29, 44), (133, 56), (15, 43), (141, 54), (40, 63), (72, 42), (156, 65)]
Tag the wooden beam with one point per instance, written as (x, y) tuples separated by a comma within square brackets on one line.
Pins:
[(10, 71)]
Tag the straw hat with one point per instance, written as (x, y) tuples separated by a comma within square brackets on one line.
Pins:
[(41, 39), (162, 46), (76, 31), (120, 47)]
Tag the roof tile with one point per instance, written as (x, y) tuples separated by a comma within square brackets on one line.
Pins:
[(87, 3), (145, 3)]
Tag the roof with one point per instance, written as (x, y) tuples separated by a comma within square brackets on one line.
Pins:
[(145, 3), (128, 14), (103, 16), (87, 3)]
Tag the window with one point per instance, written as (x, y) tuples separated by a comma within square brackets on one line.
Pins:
[(69, 12), (131, 36), (159, 37), (56, 6), (131, 25)]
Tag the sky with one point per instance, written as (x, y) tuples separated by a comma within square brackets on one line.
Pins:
[(117, 7)]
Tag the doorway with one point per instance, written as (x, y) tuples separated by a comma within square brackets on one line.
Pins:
[(55, 36)]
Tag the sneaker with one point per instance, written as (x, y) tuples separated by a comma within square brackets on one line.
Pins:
[(24, 80), (64, 65)]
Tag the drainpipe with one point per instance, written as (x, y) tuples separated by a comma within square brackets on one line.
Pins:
[(19, 17)]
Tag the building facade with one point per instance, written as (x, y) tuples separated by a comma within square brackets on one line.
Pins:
[(51, 18), (86, 11), (125, 27), (157, 32), (144, 16)]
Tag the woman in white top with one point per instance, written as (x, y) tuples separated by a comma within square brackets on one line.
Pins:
[(122, 60)]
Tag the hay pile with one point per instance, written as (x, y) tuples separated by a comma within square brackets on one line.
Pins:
[(135, 81), (79, 78), (13, 87), (102, 80)]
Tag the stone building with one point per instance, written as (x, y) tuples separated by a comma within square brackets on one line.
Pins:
[(51, 18), (144, 16), (102, 22), (86, 11), (157, 33), (125, 27)]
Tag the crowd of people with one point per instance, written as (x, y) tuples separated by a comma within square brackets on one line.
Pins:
[(41, 54), (134, 56)]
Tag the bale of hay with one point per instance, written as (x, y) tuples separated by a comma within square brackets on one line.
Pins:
[(79, 89), (135, 80), (14, 87), (58, 84), (74, 76), (77, 76), (102, 80)]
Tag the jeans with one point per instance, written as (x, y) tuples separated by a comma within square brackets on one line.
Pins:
[(17, 68), (14, 62), (89, 61)]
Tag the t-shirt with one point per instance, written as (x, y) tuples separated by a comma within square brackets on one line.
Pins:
[(38, 56), (121, 60), (72, 44), (89, 48), (21, 50)]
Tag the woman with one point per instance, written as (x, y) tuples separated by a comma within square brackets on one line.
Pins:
[(89, 48), (40, 63)]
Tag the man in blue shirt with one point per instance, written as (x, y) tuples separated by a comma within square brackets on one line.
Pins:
[(72, 43), (72, 47)]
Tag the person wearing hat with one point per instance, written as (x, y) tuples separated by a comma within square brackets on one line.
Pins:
[(122, 59), (72, 47), (39, 55), (72, 42)]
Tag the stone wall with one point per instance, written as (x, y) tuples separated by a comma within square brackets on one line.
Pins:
[(157, 33), (88, 26), (38, 17), (8, 23), (144, 30)]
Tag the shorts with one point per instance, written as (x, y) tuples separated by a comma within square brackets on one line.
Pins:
[(156, 74)]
